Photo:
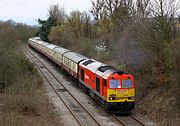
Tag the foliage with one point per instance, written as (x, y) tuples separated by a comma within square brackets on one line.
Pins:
[(86, 47), (21, 94), (75, 22), (56, 17), (128, 30), (139, 36), (56, 34), (45, 27), (12, 61)]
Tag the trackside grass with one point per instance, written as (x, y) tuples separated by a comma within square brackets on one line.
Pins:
[(22, 97)]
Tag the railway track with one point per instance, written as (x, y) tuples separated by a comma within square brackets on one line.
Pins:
[(76, 111), (129, 120), (134, 121), (79, 112)]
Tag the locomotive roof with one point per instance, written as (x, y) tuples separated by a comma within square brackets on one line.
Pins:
[(91, 65), (74, 56), (107, 73), (102, 70), (60, 50)]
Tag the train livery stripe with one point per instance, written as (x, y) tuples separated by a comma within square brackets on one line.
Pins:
[(121, 95)]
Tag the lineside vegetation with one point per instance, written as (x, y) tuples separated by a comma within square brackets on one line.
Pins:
[(141, 37), (22, 99)]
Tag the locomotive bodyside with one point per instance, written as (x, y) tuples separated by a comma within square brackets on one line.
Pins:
[(114, 89)]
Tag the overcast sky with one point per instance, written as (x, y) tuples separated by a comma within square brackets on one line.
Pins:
[(27, 11)]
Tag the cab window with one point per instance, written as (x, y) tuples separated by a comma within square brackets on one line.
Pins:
[(127, 83), (114, 84)]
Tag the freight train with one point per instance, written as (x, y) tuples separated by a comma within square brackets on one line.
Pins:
[(112, 89)]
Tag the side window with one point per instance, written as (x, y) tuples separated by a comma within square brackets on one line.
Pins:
[(97, 84), (82, 74), (74, 66)]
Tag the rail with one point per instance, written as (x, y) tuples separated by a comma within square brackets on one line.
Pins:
[(64, 88)]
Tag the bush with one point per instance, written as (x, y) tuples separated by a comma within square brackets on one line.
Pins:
[(86, 47), (22, 100)]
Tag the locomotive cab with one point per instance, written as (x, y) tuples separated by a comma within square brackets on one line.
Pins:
[(121, 92)]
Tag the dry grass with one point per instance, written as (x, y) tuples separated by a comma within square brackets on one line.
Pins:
[(22, 98), (20, 107), (159, 104)]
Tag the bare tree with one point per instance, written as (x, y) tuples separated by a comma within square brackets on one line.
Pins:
[(156, 33), (164, 13), (86, 20), (75, 22), (98, 9), (57, 12), (143, 8), (103, 9)]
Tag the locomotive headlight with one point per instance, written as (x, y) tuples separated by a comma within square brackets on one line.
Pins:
[(112, 98), (131, 98)]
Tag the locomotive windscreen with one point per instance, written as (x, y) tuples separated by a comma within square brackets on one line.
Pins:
[(126, 83), (115, 84)]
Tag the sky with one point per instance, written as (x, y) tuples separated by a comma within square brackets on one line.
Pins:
[(28, 11)]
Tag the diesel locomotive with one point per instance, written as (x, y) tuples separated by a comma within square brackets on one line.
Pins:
[(112, 89)]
